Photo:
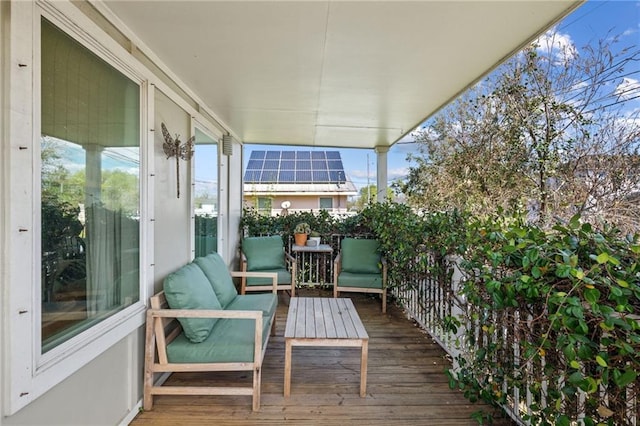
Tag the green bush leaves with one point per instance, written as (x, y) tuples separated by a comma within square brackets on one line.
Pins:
[(576, 290)]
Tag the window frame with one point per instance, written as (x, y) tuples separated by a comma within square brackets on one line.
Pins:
[(29, 373), (325, 198), (268, 201), (216, 135)]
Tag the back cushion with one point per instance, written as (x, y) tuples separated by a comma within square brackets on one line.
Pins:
[(263, 252), (218, 275), (189, 288), (360, 256)]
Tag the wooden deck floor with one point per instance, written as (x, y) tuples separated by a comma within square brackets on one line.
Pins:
[(406, 382)]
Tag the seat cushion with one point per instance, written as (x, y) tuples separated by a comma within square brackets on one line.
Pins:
[(264, 252), (360, 256), (350, 279), (218, 275), (284, 277), (231, 340), (189, 288), (266, 302)]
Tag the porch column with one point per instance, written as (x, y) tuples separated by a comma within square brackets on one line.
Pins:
[(381, 176), (93, 174)]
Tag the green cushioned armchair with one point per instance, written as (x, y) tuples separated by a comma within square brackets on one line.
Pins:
[(267, 254), (360, 267)]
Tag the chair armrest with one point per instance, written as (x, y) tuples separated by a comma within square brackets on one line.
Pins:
[(289, 258), (247, 274), (293, 265), (204, 313), (337, 264)]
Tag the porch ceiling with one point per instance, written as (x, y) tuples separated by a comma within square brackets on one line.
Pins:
[(332, 73)]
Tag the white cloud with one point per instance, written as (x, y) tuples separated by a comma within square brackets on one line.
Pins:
[(557, 44), (628, 89), (361, 174), (392, 174), (400, 172)]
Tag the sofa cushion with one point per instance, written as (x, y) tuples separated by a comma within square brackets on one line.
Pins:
[(266, 302), (189, 288), (360, 256), (231, 340), (264, 252), (218, 275), (284, 277)]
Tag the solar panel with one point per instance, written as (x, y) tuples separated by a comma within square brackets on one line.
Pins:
[(255, 164), (335, 164), (303, 155), (319, 164), (295, 167), (286, 176), (320, 176), (303, 165), (287, 165), (273, 155), (318, 155), (303, 176), (269, 176), (252, 175), (336, 176)]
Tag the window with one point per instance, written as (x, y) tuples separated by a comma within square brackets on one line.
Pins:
[(90, 189), (205, 194), (264, 205), (326, 203)]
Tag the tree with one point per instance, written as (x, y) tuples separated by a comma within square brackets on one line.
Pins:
[(369, 194), (550, 132), (120, 191)]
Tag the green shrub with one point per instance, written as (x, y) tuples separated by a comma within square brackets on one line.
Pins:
[(574, 291)]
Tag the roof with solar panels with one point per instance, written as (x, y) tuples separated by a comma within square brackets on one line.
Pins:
[(293, 172)]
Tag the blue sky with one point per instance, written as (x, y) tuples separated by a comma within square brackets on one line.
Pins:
[(592, 21)]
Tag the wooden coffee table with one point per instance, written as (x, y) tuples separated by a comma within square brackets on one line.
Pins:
[(319, 321)]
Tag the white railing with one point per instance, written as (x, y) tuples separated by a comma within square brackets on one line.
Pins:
[(432, 299)]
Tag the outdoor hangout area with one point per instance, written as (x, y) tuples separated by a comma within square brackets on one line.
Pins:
[(406, 383), (442, 350), (320, 212)]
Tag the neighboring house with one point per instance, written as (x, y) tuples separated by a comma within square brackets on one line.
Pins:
[(276, 182)]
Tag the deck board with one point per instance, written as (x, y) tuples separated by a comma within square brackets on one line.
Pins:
[(406, 383)]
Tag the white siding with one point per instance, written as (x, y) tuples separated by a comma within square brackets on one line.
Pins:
[(172, 215), (106, 387)]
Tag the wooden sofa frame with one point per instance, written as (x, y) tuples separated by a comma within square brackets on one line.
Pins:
[(162, 328)]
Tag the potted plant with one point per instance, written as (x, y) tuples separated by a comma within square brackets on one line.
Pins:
[(314, 237), (301, 232)]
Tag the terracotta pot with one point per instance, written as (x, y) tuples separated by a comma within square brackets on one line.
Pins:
[(301, 239)]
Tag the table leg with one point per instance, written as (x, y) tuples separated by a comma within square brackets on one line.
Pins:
[(287, 368), (363, 368)]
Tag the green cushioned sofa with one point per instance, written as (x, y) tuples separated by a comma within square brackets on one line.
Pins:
[(199, 322), (360, 267)]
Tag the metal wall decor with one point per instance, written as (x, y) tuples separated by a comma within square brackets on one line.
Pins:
[(174, 148)]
